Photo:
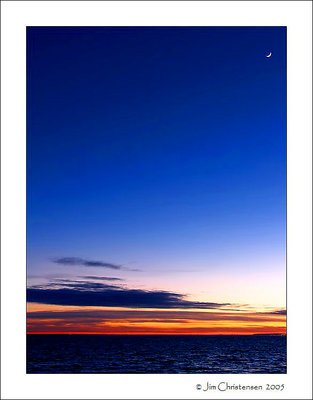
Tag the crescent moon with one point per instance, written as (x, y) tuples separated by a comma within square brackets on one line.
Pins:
[(268, 56)]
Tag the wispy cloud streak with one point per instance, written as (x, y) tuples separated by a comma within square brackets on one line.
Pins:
[(85, 263), (101, 278)]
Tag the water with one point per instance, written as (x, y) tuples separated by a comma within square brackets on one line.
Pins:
[(164, 354)]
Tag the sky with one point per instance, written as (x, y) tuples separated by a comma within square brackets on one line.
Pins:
[(156, 180)]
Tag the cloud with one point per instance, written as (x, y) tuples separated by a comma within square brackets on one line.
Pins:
[(101, 278), (144, 311), (277, 312), (85, 263), (91, 263), (84, 316), (85, 293), (280, 312), (80, 285), (93, 326)]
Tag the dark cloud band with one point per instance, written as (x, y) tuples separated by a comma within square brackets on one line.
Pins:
[(112, 296)]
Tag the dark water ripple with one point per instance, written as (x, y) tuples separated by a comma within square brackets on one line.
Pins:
[(169, 354)]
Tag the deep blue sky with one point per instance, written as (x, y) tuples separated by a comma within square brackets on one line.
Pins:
[(156, 147)]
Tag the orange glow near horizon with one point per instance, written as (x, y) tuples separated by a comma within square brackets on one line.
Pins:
[(117, 321)]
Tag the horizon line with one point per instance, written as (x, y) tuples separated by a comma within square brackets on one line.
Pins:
[(157, 334)]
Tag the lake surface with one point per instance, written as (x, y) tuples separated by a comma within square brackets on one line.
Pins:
[(159, 354)]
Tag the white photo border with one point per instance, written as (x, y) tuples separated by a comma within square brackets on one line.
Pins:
[(15, 16)]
